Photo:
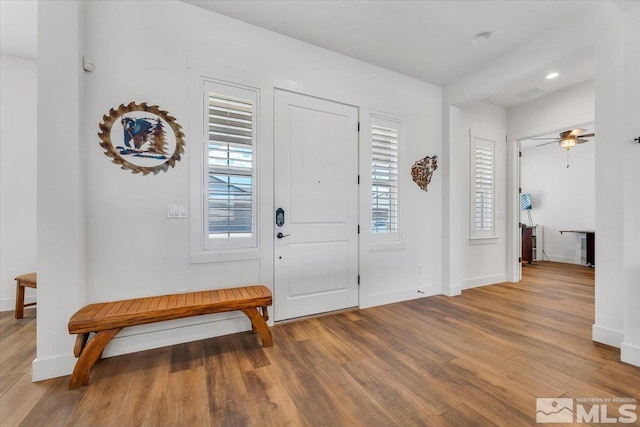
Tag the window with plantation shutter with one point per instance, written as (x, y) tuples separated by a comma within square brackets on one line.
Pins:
[(385, 137), (230, 217), (482, 188)]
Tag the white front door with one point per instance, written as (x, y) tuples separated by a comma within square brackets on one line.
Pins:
[(316, 171)]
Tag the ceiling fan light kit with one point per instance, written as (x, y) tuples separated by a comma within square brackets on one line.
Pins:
[(567, 144)]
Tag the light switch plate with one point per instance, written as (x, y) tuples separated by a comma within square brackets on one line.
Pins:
[(177, 212)]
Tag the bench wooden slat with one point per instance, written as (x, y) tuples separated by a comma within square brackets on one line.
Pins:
[(102, 310), (144, 306), (94, 309), (155, 303), (141, 310), (206, 297), (253, 292), (164, 302), (181, 302), (115, 308), (215, 297), (135, 306), (173, 301), (125, 307), (244, 293)]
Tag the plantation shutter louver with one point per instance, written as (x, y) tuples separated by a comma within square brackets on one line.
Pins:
[(384, 179), (230, 156), (483, 186)]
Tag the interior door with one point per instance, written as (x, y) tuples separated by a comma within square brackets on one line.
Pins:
[(316, 170)]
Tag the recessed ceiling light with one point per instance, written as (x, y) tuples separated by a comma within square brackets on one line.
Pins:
[(480, 38), (552, 75)]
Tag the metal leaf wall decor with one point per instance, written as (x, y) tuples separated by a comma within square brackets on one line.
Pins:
[(422, 170)]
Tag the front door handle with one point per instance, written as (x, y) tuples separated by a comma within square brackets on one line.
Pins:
[(281, 236)]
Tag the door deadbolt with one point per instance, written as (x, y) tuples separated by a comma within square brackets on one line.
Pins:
[(279, 217)]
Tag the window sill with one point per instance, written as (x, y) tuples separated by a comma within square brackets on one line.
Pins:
[(489, 240)]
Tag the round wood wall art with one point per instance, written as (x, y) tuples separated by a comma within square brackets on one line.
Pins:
[(422, 170), (142, 138)]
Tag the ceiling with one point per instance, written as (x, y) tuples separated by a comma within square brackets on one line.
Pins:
[(428, 40), (574, 69)]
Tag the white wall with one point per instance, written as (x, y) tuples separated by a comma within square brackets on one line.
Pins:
[(18, 148), (554, 112), (133, 250), (61, 198), (562, 198), (609, 114), (477, 262), (630, 348)]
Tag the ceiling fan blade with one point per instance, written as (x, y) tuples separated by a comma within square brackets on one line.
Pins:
[(587, 135), (581, 140), (571, 133), (546, 143)]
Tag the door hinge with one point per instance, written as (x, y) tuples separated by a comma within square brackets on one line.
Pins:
[(519, 153), (358, 279), (358, 228), (519, 189), (519, 259), (358, 179), (358, 126)]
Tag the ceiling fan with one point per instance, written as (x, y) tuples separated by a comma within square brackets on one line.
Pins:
[(568, 139)]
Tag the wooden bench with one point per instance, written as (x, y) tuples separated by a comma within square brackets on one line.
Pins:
[(109, 318), (29, 280)]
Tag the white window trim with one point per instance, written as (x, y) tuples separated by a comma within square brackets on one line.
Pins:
[(203, 248), (391, 240), (481, 236)]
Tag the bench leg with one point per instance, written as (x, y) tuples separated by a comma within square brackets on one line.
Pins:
[(81, 343), (19, 314), (89, 355), (260, 325)]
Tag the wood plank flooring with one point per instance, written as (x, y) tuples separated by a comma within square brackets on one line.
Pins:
[(479, 359)]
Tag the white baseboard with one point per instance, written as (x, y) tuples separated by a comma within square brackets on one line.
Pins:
[(630, 353), (607, 336), (136, 339), (53, 367), (451, 290), (566, 259), (398, 296), (9, 304), (483, 281)]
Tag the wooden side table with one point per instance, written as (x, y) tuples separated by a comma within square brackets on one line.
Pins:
[(24, 281)]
